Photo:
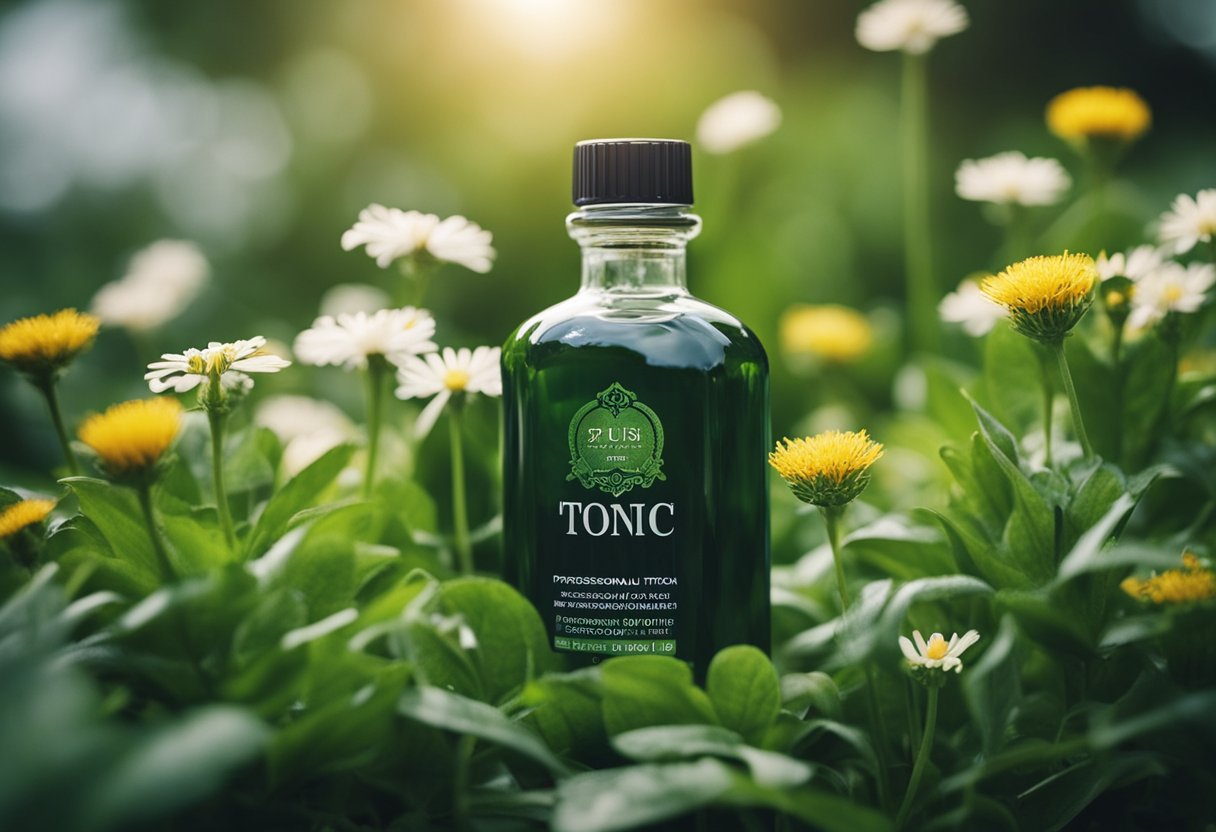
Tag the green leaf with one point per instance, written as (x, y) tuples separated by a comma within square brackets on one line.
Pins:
[(115, 513), (802, 693), (1044, 620), (1013, 378), (565, 709), (973, 552), (512, 645), (452, 712), (1086, 555), (746, 694), (626, 798), (1053, 802), (992, 687), (300, 492), (176, 765), (900, 548), (640, 691), (1097, 388), (682, 742), (922, 590)]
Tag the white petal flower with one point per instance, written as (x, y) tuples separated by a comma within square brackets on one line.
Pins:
[(446, 374), (1135, 264), (1171, 288), (160, 282), (291, 417), (1012, 179), (936, 653), (348, 298), (348, 340), (913, 26), (390, 233), (307, 448), (736, 121), (1189, 221), (184, 371), (968, 306)]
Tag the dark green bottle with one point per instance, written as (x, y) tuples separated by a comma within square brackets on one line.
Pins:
[(637, 426)]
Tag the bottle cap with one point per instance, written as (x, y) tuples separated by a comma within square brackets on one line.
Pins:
[(645, 171)]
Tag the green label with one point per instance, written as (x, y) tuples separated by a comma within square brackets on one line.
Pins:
[(614, 648), (616, 443)]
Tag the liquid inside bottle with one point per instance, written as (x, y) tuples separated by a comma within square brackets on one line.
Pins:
[(636, 510)]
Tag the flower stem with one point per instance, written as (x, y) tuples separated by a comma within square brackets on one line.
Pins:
[(460, 513), (1049, 399), (218, 418), (1116, 357), (52, 402), (168, 573), (376, 367), (922, 295), (1071, 391), (831, 518), (922, 757)]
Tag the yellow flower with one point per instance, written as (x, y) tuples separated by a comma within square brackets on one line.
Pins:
[(1045, 296), (1098, 113), (834, 333), (131, 437), (1175, 586), (43, 344), (15, 517), (829, 469)]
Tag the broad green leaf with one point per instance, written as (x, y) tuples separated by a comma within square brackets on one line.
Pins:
[(1087, 552), (176, 765), (640, 691), (802, 693), (1097, 388), (442, 709), (1013, 378), (626, 798), (746, 694), (300, 492), (512, 645), (985, 556), (684, 742), (114, 511), (1045, 621), (1054, 802), (899, 548), (992, 687), (438, 657), (823, 810), (565, 709), (277, 612), (944, 588), (1146, 395)]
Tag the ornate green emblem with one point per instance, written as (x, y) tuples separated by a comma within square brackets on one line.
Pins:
[(616, 443)]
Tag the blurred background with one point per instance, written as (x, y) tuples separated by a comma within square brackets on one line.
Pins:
[(259, 130)]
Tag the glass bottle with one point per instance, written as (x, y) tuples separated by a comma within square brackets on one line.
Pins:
[(637, 428)]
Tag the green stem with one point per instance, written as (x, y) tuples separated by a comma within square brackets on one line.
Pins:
[(168, 573), (1049, 399), (1116, 357), (831, 518), (460, 513), (460, 782), (922, 294), (52, 402), (1071, 391), (218, 418), (922, 757), (376, 366)]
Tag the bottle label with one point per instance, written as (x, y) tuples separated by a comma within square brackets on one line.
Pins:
[(616, 443), (616, 591)]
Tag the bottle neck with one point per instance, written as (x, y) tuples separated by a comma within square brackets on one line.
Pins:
[(634, 249)]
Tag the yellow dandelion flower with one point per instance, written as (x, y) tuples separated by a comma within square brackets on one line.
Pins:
[(831, 332), (1098, 113), (19, 515), (1045, 296), (131, 437), (1175, 586), (42, 344), (829, 469)]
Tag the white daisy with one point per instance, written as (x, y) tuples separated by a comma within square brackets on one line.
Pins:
[(390, 233), (442, 376), (1189, 220), (937, 653), (1012, 179), (913, 26), (1135, 264), (160, 282), (736, 121), (969, 306), (348, 340), (182, 372), (1171, 288), (291, 417), (348, 298)]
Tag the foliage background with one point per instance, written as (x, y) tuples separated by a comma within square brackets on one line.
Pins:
[(260, 129)]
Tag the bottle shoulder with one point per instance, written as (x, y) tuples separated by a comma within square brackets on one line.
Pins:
[(677, 327)]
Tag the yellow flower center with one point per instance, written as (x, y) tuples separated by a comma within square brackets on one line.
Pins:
[(1043, 283), (456, 380), (937, 647), (833, 454), (1098, 112), (19, 515), (1115, 299), (132, 436), (47, 341), (836, 333), (1172, 294)]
